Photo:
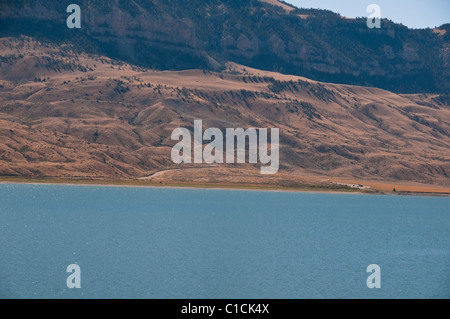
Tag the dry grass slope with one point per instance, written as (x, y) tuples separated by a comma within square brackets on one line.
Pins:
[(78, 116)]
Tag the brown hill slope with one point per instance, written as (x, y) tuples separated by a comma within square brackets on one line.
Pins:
[(268, 35), (79, 116)]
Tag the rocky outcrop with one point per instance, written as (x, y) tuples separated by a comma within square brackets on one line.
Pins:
[(179, 34)]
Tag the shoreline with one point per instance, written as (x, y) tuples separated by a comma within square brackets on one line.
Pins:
[(245, 187)]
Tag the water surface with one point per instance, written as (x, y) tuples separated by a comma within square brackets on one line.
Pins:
[(192, 243)]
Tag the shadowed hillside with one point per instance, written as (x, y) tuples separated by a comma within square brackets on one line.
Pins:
[(268, 35)]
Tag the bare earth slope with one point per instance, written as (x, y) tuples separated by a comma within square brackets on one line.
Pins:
[(78, 116)]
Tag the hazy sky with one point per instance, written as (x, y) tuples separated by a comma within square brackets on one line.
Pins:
[(412, 13)]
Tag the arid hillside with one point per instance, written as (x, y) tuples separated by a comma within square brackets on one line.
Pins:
[(268, 35), (72, 115)]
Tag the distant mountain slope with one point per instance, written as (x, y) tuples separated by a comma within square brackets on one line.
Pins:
[(69, 115), (205, 34)]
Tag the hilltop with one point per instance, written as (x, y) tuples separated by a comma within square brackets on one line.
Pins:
[(267, 35)]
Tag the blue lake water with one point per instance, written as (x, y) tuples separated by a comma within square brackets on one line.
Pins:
[(192, 243)]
